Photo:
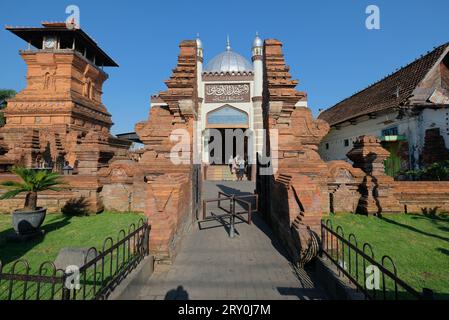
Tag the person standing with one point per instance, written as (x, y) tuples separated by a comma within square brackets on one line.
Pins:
[(234, 165), (241, 168), (230, 163)]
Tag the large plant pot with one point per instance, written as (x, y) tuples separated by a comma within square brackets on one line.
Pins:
[(26, 222)]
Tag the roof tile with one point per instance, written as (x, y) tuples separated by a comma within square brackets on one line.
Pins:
[(386, 93)]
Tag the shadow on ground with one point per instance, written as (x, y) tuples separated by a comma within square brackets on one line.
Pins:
[(177, 294), (256, 220), (305, 276), (13, 250), (416, 229), (233, 191)]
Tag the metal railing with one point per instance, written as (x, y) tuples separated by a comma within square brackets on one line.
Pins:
[(100, 273), (231, 213), (358, 265)]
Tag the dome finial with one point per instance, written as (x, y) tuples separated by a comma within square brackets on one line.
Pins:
[(199, 43), (228, 43), (258, 42)]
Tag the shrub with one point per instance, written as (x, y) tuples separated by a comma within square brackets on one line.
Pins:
[(438, 171)]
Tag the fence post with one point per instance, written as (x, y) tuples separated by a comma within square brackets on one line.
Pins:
[(65, 290), (146, 240), (427, 294), (232, 218), (322, 240), (204, 210)]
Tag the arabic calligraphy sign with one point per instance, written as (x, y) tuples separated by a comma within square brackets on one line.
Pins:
[(219, 93)]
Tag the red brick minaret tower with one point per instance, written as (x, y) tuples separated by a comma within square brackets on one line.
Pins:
[(59, 117)]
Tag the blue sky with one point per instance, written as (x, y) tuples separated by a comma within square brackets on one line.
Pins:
[(325, 42)]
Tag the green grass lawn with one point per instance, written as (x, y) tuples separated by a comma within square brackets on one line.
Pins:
[(61, 232), (418, 244)]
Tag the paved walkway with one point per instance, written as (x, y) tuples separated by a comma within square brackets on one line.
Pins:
[(210, 265)]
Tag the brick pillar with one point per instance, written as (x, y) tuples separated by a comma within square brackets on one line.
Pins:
[(368, 155), (377, 187)]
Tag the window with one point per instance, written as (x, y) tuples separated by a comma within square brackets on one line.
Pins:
[(346, 142), (327, 146), (227, 116), (390, 132)]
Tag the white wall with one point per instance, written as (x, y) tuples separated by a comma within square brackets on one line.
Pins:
[(244, 106), (413, 128), (205, 108), (365, 126)]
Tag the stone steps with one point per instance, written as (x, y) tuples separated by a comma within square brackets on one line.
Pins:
[(220, 173)]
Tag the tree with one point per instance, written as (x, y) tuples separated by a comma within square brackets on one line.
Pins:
[(4, 96), (33, 181)]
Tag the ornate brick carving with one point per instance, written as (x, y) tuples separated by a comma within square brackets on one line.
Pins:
[(182, 83), (279, 82), (343, 185), (168, 189), (299, 191), (377, 188), (60, 110)]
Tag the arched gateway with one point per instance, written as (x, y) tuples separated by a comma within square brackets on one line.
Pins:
[(227, 134), (230, 107), (230, 113)]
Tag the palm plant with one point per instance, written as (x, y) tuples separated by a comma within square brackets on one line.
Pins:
[(33, 181)]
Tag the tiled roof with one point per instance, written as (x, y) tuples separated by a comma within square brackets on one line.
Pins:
[(34, 35), (389, 92)]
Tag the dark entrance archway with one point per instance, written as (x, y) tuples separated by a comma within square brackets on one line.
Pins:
[(231, 143)]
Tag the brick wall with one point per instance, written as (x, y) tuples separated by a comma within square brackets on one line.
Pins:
[(422, 196), (78, 187), (377, 193)]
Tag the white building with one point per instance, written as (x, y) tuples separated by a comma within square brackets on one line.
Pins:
[(230, 102), (401, 109)]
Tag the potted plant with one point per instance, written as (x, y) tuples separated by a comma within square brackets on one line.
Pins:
[(28, 220)]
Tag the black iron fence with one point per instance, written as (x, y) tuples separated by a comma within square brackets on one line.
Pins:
[(100, 273), (376, 280), (247, 206)]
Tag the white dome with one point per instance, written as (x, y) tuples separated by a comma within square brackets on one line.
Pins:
[(228, 61)]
